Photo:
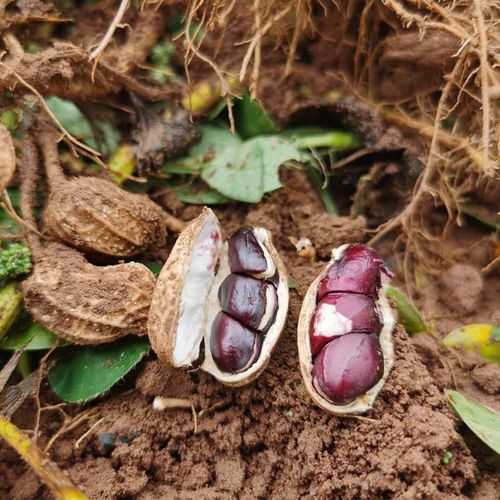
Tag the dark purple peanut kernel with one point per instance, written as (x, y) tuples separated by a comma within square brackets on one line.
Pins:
[(342, 313), (245, 253), (246, 299), (234, 347), (347, 367), (358, 271)]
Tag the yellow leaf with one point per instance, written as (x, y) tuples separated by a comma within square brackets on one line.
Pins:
[(11, 301), (122, 163), (47, 471), (479, 337)]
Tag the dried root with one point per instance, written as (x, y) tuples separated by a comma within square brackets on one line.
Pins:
[(430, 68)]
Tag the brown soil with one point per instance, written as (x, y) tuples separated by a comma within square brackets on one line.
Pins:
[(268, 440)]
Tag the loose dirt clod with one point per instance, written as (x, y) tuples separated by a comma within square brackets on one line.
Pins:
[(80, 302), (96, 216)]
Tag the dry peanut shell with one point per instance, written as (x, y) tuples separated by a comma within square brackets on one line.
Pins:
[(166, 301), (7, 158), (86, 304), (96, 216)]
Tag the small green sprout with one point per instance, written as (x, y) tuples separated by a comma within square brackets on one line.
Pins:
[(447, 457)]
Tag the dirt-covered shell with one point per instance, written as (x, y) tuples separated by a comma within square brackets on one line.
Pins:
[(364, 402), (167, 304), (86, 304), (96, 216), (7, 158)]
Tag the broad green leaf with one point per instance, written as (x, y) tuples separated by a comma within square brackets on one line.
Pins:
[(480, 337), (84, 373), (33, 338), (109, 136), (76, 123), (482, 421), (252, 119), (72, 119), (408, 314), (11, 300), (204, 196), (214, 140), (246, 173)]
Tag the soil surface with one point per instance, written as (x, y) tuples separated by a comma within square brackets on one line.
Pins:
[(268, 440)]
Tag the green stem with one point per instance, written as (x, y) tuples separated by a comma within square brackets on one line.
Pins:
[(316, 180), (338, 140), (24, 367)]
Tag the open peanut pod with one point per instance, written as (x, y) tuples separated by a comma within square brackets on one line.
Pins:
[(345, 332), (217, 305)]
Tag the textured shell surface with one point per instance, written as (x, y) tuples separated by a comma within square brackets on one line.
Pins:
[(96, 216), (86, 304)]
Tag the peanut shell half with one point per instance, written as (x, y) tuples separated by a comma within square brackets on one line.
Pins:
[(364, 402), (86, 304), (186, 300)]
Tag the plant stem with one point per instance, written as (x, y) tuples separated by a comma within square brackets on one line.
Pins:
[(338, 140), (315, 179)]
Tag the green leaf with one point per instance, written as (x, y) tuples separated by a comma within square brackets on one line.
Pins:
[(252, 119), (154, 266), (7, 224), (77, 124), (72, 119), (204, 196), (11, 300), (485, 423), (408, 314), (11, 118), (241, 171), (33, 338), (109, 136), (84, 373), (214, 141), (482, 215), (247, 172)]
